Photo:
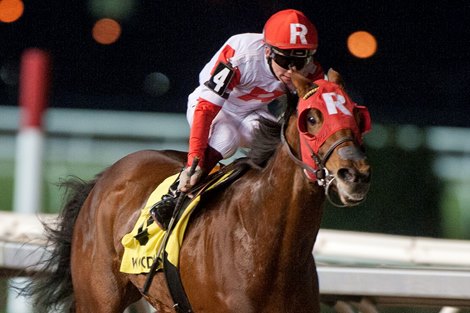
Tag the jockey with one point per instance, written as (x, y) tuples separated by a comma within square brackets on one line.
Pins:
[(248, 72)]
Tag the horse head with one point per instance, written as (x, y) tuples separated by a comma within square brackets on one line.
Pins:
[(329, 128)]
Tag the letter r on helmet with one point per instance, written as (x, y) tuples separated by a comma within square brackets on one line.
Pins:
[(299, 30)]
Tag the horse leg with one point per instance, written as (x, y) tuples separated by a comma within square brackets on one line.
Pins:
[(99, 286), (100, 301)]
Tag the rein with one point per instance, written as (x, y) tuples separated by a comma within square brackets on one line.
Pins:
[(322, 174)]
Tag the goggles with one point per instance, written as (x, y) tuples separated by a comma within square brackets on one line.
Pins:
[(290, 58)]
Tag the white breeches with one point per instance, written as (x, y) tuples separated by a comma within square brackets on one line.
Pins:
[(229, 131)]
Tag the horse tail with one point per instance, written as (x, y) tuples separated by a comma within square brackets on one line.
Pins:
[(52, 287)]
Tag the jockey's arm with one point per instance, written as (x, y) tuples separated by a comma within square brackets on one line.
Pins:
[(199, 135), (213, 95), (204, 114)]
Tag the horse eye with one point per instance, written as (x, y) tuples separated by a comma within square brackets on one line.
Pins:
[(312, 120)]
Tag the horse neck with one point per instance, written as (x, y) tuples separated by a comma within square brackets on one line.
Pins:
[(287, 209)]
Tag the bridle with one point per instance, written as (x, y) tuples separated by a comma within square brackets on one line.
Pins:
[(317, 171), (323, 176)]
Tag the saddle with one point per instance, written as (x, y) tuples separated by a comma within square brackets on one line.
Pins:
[(214, 182)]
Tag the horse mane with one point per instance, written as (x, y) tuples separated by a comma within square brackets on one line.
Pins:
[(267, 136)]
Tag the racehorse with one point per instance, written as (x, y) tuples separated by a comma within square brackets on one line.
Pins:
[(249, 249)]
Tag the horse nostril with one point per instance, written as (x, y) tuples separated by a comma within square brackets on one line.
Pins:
[(346, 174), (352, 175)]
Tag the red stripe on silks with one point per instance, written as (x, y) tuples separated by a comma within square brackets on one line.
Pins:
[(224, 57), (34, 87)]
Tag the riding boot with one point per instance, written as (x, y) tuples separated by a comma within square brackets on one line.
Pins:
[(212, 157), (162, 211)]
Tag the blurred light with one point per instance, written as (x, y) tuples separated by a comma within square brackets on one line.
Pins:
[(362, 44), (410, 137), (9, 73), (448, 139), (11, 10), (379, 137), (117, 9), (156, 84), (106, 31)]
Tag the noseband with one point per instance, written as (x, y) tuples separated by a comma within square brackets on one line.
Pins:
[(322, 174)]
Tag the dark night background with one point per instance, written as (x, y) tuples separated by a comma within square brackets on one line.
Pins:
[(419, 75)]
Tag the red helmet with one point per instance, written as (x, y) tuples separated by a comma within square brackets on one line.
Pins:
[(290, 29)]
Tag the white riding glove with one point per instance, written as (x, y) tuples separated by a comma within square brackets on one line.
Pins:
[(186, 181)]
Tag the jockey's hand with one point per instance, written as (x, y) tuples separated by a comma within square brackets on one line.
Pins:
[(186, 181)]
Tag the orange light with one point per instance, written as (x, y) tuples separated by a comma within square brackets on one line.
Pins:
[(362, 44), (106, 31), (11, 10)]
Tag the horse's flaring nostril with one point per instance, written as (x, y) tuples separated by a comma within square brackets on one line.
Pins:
[(347, 174), (351, 175)]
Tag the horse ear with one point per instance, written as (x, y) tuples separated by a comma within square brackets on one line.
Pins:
[(301, 83), (335, 77)]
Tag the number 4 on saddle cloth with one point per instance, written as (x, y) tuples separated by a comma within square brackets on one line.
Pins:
[(143, 242)]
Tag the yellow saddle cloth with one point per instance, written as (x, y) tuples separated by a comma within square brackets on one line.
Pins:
[(138, 255)]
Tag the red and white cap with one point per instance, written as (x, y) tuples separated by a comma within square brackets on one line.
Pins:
[(290, 29)]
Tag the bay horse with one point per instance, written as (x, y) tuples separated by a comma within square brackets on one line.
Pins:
[(249, 249)]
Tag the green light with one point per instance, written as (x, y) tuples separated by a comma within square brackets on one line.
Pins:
[(117, 9)]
